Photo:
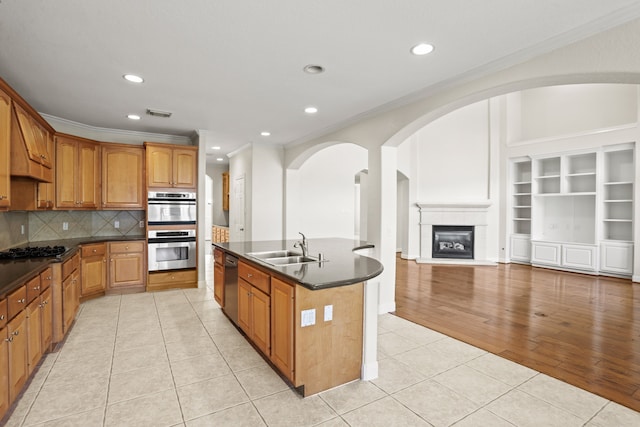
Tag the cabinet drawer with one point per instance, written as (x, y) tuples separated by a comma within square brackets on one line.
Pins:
[(69, 265), (218, 256), (3, 313), (46, 278), (33, 288), (126, 247), (254, 276), (17, 301), (93, 250), (173, 277)]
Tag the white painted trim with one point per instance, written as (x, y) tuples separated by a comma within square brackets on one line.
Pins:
[(389, 307), (369, 371), (453, 261), (555, 138)]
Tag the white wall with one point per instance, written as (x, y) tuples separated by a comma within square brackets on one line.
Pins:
[(568, 109), (325, 193), (267, 189), (218, 216), (454, 156)]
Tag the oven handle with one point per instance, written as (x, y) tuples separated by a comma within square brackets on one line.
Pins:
[(172, 202), (172, 239)]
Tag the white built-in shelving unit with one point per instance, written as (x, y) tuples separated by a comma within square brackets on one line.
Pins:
[(574, 210)]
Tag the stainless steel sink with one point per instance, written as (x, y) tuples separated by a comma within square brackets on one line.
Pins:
[(282, 257), (298, 259), (274, 254)]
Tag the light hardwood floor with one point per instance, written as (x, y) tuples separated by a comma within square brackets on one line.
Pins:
[(582, 329)]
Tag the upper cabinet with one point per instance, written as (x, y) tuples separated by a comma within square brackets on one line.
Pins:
[(122, 176), (225, 191), (77, 173), (5, 149), (171, 166)]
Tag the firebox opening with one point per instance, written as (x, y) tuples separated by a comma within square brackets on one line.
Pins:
[(453, 241)]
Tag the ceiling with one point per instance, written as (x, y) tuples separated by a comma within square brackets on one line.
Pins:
[(235, 67)]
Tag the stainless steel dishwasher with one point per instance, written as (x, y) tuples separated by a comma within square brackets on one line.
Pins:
[(231, 287)]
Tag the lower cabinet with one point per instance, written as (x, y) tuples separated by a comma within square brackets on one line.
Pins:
[(70, 299), (282, 304), (218, 276), (254, 315), (520, 248), (18, 368), (127, 268), (34, 334), (564, 255), (616, 257), (46, 309), (4, 372), (172, 279), (93, 270)]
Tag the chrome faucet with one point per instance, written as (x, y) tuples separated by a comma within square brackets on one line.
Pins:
[(302, 245)]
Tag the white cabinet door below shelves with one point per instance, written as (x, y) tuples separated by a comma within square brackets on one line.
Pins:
[(520, 248), (546, 253), (616, 257), (583, 257)]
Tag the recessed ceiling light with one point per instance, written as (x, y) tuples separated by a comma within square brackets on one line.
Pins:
[(265, 133), (215, 148), (133, 116), (133, 78), (311, 110), (313, 69), (219, 159), (422, 49)]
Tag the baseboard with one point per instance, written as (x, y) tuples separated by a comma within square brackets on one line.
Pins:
[(369, 371)]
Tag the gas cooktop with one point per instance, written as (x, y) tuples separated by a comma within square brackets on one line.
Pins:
[(33, 252)]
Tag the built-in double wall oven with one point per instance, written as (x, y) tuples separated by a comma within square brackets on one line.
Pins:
[(171, 217)]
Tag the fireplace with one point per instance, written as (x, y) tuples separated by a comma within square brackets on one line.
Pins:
[(453, 241)]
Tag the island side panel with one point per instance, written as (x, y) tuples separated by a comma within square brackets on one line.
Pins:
[(328, 353)]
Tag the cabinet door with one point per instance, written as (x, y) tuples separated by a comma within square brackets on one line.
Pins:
[(261, 316), (4, 372), (122, 177), (69, 300), (18, 369), (88, 186), (616, 257), (545, 253), (46, 195), (225, 191), (26, 127), (184, 168), (579, 256), (126, 270), (34, 334), (66, 173), (218, 283), (5, 149), (46, 311), (159, 166), (244, 306), (94, 274), (520, 249), (282, 327)]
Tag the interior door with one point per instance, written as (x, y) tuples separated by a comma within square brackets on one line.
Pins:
[(237, 211)]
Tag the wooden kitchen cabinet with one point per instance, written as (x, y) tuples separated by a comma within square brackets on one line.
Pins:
[(171, 166), (46, 309), (4, 372), (225, 191), (70, 292), (93, 270), (18, 368), (282, 318), (218, 276), (122, 177), (5, 150), (254, 305), (77, 173), (127, 268), (34, 334), (31, 148)]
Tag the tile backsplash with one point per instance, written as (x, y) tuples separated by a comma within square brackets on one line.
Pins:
[(50, 225), (11, 229)]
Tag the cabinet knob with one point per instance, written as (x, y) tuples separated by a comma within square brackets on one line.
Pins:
[(48, 277), (1, 316), (22, 301), (1, 197), (249, 275), (94, 251), (10, 339), (36, 288), (16, 332)]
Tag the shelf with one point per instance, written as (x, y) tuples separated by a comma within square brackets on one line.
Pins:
[(547, 177), (522, 207), (522, 183), (618, 201), (582, 174), (589, 193), (617, 220), (618, 183), (521, 194)]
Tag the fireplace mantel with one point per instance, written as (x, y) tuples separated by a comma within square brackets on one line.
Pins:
[(473, 213)]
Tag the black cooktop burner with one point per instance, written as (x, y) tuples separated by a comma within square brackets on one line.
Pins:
[(33, 252)]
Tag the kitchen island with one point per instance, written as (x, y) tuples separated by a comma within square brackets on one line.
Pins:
[(305, 318)]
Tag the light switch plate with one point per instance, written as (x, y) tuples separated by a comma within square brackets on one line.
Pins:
[(308, 317), (328, 313)]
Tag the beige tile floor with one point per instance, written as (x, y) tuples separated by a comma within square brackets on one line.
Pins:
[(173, 359)]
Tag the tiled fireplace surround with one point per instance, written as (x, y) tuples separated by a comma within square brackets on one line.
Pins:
[(462, 213)]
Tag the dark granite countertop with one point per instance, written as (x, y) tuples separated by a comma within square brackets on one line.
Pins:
[(13, 273), (342, 266)]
